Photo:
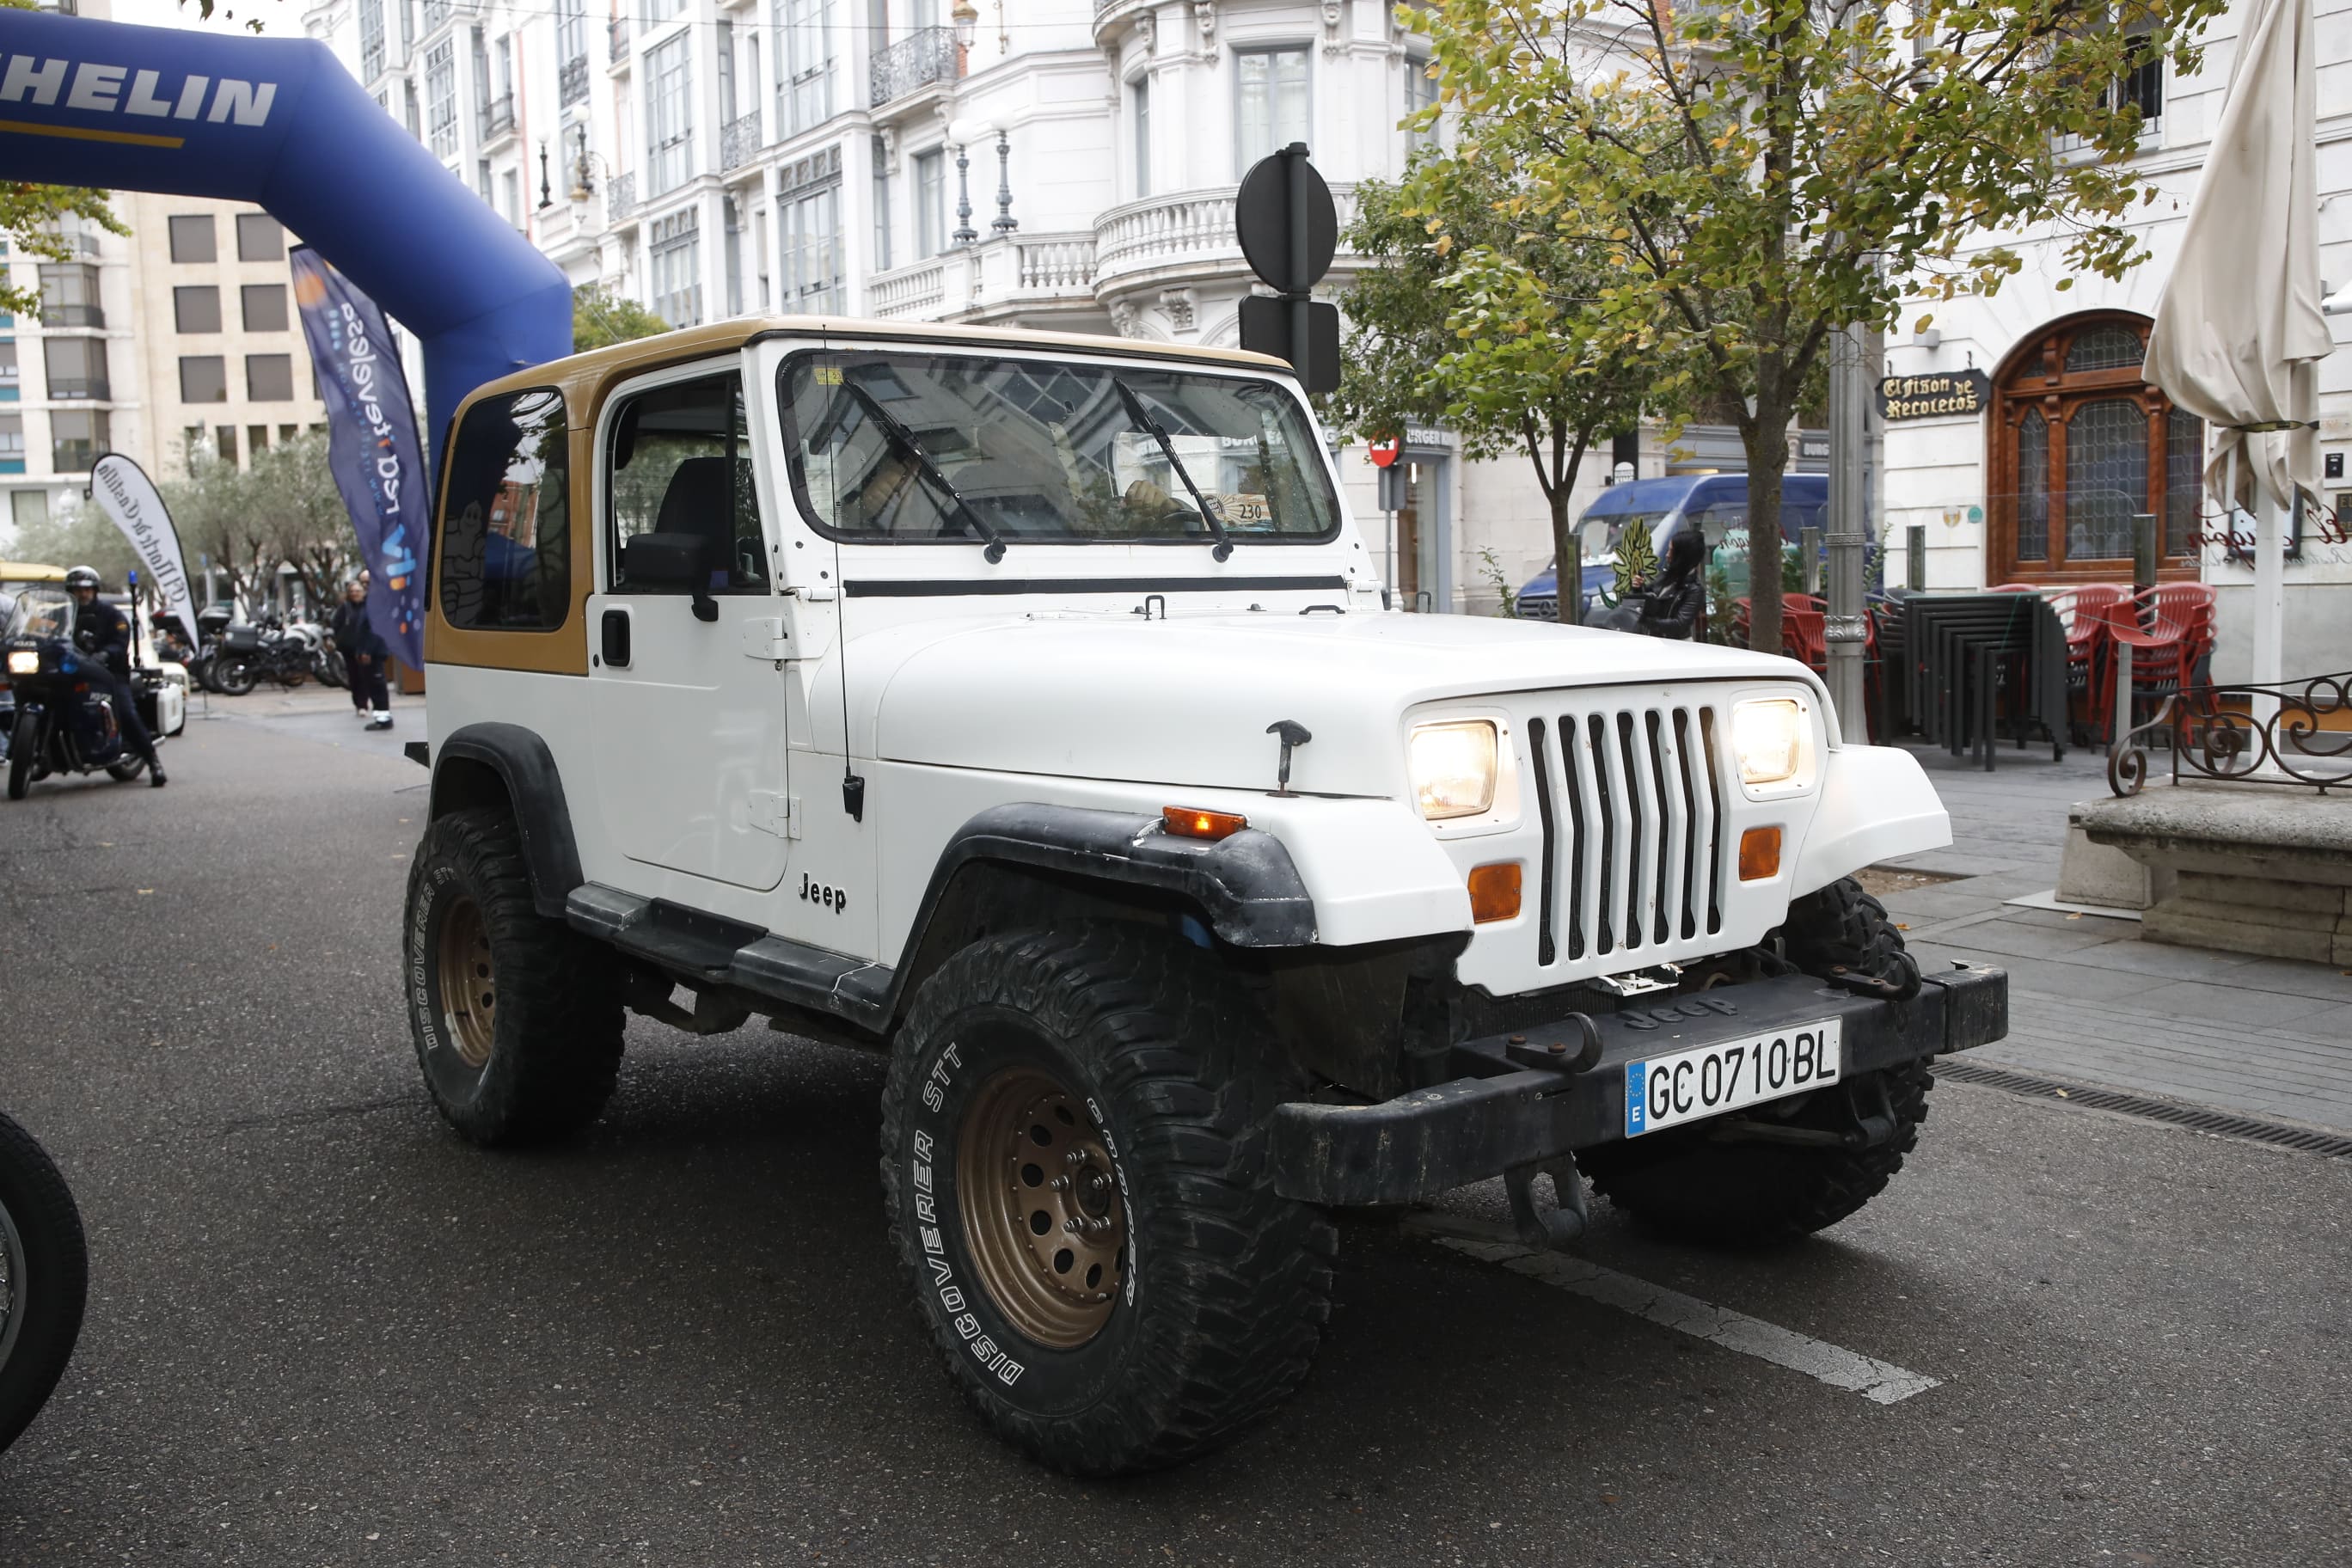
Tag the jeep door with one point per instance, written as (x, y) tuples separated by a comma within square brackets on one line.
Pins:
[(688, 701)]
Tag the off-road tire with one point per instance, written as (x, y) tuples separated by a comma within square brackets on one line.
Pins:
[(35, 1349), (554, 1046), (1689, 1185), (1226, 1285)]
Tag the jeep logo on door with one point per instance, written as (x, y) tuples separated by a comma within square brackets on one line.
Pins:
[(833, 898)]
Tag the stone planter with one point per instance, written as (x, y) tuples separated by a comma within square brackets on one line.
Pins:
[(2252, 868)]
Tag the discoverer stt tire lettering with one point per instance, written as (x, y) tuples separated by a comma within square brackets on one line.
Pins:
[(1221, 1292)]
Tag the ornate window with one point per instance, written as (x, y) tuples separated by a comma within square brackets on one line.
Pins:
[(2080, 445)]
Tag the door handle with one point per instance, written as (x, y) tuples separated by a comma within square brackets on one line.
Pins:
[(616, 639)]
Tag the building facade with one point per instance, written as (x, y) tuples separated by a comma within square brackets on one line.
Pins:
[(69, 379), (2053, 440)]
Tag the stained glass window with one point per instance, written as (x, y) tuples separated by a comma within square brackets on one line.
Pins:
[(2107, 478), (2184, 468), (2104, 348), (2033, 487)]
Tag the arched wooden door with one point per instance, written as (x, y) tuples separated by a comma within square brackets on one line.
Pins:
[(2081, 443)]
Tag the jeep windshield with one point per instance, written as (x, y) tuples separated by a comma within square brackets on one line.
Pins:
[(1050, 451)]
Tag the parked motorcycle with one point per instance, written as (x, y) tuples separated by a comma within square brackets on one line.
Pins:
[(248, 654), (65, 721), (44, 1279)]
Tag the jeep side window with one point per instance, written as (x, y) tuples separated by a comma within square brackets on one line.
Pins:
[(506, 557), (678, 461)]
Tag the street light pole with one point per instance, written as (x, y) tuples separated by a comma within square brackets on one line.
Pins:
[(1845, 625)]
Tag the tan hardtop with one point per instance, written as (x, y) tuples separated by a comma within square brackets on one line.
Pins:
[(585, 378)]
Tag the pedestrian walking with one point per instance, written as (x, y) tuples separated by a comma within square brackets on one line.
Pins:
[(364, 655)]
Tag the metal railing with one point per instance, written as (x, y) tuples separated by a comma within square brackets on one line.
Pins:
[(621, 195), (72, 316), (1056, 266), (909, 291), (572, 79), (619, 32), (73, 388), (497, 118), (738, 140), (916, 60), (2291, 732)]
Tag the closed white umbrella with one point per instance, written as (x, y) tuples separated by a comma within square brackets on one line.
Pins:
[(2239, 331)]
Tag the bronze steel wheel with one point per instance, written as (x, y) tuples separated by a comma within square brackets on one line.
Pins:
[(468, 999), (1041, 1207)]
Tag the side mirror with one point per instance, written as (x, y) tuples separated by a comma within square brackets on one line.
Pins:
[(672, 560)]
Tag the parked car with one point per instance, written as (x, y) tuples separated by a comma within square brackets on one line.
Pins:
[(1716, 502), (1022, 707)]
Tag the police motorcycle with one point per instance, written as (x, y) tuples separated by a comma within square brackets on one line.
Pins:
[(65, 719), (44, 1279), (252, 652)]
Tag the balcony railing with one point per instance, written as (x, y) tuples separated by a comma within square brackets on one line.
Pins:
[(1057, 266), (738, 141), (73, 388), (1190, 228), (619, 27), (621, 195), (911, 291), (73, 316), (916, 60), (74, 457), (572, 79), (435, 13), (497, 118)]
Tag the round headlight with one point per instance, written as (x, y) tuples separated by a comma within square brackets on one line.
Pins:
[(1453, 768), (1769, 738)]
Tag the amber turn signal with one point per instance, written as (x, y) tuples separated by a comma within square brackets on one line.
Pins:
[(1195, 823), (1760, 854), (1494, 891)]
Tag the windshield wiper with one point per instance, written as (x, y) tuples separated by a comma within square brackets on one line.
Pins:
[(1142, 416), (965, 511)]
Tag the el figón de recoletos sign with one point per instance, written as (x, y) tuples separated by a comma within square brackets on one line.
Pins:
[(1290, 230), (1944, 395)]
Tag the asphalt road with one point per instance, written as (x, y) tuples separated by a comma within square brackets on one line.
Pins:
[(323, 1331)]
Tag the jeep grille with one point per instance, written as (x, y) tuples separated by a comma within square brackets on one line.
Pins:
[(1629, 802)]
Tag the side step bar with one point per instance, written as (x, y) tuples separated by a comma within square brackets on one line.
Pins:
[(723, 952)]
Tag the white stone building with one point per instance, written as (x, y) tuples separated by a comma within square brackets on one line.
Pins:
[(2040, 485)]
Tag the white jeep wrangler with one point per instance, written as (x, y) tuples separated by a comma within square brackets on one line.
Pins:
[(1026, 708)]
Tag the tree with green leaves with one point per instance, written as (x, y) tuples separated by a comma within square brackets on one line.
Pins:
[(1509, 354), (601, 318), (1753, 176)]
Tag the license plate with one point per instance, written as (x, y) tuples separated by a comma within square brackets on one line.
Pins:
[(1666, 1091)]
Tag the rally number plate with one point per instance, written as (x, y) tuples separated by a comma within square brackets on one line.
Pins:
[(1666, 1091)]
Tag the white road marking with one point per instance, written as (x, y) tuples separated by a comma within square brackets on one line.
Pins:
[(1881, 1383)]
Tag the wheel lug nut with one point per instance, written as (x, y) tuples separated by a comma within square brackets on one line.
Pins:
[(1058, 1184), (1071, 1226)]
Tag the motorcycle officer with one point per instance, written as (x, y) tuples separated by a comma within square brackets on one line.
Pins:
[(104, 633)]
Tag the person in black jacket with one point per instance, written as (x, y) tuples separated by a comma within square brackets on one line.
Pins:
[(1675, 606), (365, 654), (103, 632)]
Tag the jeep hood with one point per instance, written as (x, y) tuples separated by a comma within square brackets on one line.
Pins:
[(1187, 701)]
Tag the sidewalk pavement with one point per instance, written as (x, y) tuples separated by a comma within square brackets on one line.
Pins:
[(311, 712), (2089, 1000)]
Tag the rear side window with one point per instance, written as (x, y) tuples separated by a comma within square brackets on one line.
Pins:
[(505, 521)]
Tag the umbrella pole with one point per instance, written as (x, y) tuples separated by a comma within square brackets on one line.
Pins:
[(2270, 599)]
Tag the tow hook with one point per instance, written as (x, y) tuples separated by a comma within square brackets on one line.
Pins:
[(1553, 1225), (1904, 986), (1873, 1111)]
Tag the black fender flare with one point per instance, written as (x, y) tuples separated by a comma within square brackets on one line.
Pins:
[(1245, 885), (534, 790)]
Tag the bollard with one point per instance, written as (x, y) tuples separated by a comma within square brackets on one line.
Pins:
[(2143, 551), (1915, 557), (1808, 545)]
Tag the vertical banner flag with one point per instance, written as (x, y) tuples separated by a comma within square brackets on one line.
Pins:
[(127, 496), (371, 445)]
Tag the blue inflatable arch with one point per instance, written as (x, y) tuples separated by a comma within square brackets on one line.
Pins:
[(279, 122)]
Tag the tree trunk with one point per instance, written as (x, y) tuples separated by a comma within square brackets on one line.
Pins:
[(1568, 561), (1767, 440)]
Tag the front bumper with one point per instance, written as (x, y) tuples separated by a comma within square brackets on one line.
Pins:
[(1503, 1114)]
